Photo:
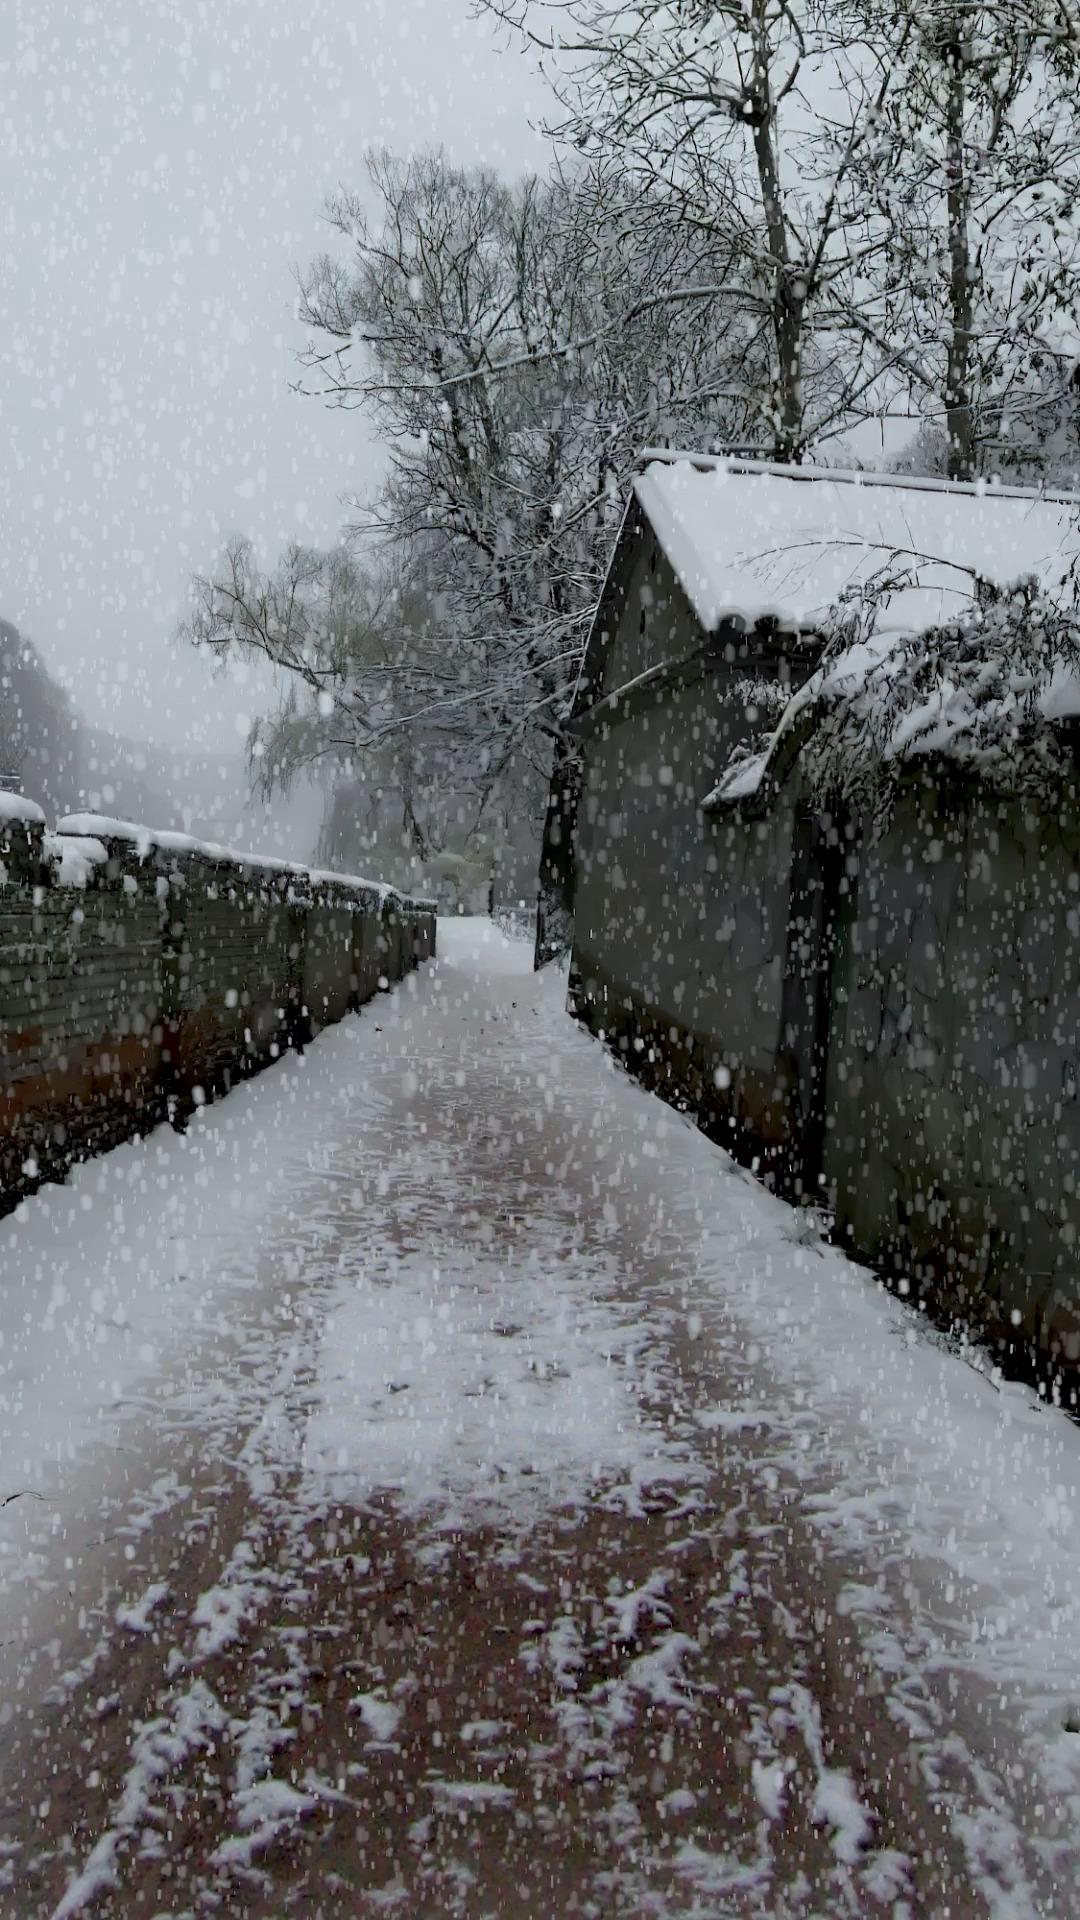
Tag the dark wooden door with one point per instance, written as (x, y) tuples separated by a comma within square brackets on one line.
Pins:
[(817, 919)]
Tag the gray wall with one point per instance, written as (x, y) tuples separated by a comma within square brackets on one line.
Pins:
[(890, 1025), (953, 1137), (680, 917)]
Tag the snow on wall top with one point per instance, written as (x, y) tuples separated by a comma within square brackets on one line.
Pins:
[(74, 858), (102, 826), (751, 542), (15, 806), (91, 829)]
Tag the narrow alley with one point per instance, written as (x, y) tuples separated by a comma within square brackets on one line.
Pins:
[(517, 1512)]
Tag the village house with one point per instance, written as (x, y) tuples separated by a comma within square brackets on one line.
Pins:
[(816, 836)]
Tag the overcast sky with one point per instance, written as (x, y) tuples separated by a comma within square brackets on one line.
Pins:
[(165, 162)]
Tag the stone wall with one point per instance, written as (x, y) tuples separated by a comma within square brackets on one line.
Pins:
[(140, 973), (680, 934), (680, 920), (953, 1100), (886, 1024)]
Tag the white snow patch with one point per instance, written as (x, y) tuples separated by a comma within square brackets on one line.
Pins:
[(381, 1717), (269, 1800), (741, 781), (472, 1795), (659, 1673), (159, 1748), (221, 1610), (720, 1874), (218, 1614), (769, 1781), (629, 1610), (735, 1419), (15, 806), (472, 1379), (100, 827), (483, 1731), (135, 1618), (263, 1813), (837, 1805), (74, 859)]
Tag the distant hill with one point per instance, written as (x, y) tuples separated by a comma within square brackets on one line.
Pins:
[(67, 765), (206, 794), (39, 731)]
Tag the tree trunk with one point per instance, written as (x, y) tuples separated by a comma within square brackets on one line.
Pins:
[(788, 297), (555, 897), (412, 826), (788, 309), (958, 395)]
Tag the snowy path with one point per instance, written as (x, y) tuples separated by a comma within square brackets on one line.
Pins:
[(465, 1491)]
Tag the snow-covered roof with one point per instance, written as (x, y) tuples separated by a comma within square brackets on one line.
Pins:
[(751, 542)]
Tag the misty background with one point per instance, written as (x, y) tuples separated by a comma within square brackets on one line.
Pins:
[(165, 168)]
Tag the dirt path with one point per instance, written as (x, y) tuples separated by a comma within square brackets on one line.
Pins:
[(612, 1668), (664, 1713)]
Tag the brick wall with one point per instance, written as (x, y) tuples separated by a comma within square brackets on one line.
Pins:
[(141, 972)]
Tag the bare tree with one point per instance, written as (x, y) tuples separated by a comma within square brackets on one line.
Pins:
[(977, 181), (13, 742), (499, 340), (353, 654), (759, 123)]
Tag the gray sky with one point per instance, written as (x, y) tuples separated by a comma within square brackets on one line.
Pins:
[(165, 164)]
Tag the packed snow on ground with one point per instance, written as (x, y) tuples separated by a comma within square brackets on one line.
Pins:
[(481, 1382), (133, 1281), (428, 1385), (904, 1447)]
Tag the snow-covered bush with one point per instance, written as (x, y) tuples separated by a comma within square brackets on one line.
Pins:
[(981, 692)]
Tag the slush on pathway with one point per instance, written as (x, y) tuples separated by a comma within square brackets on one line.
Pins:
[(447, 1484)]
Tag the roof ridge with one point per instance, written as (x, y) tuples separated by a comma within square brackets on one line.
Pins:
[(854, 476)]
